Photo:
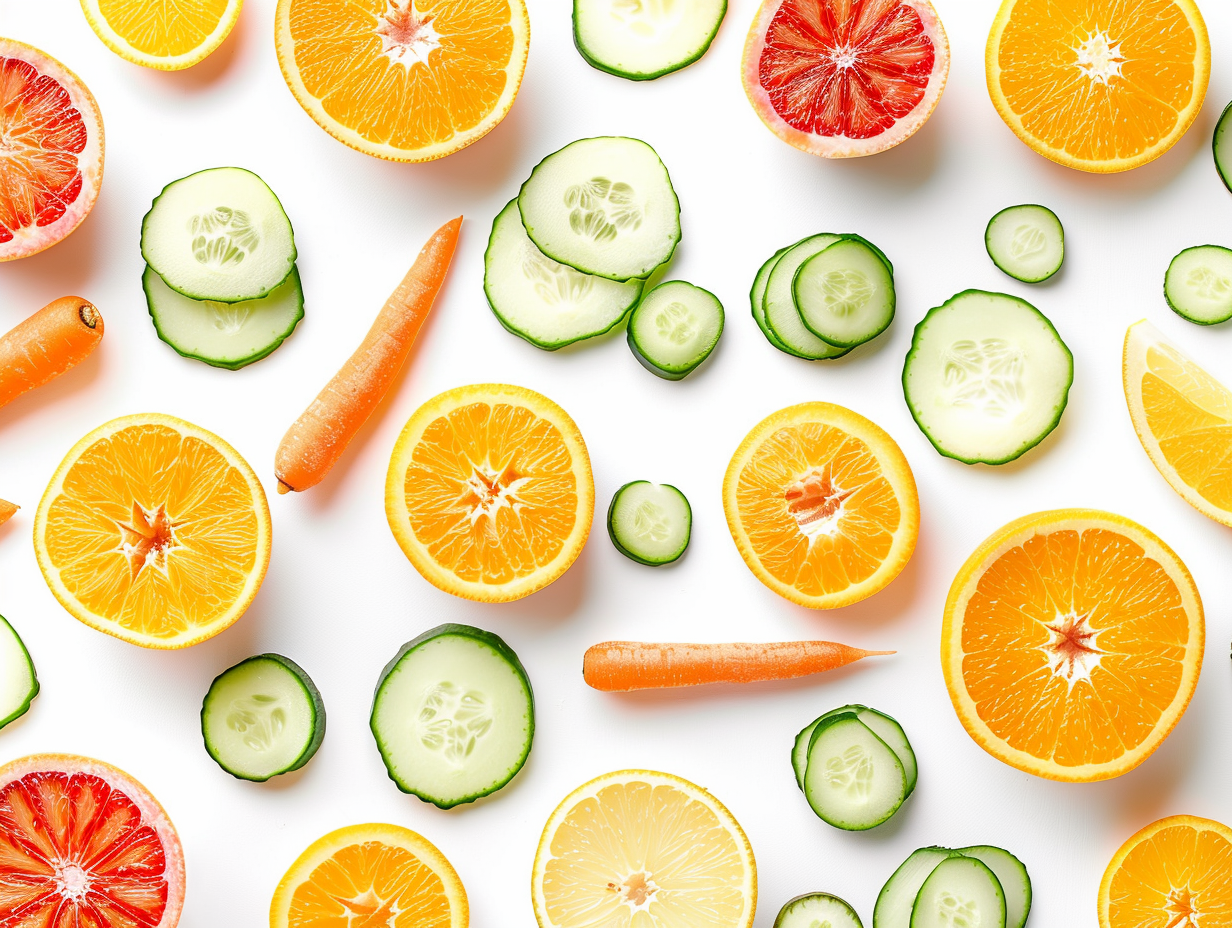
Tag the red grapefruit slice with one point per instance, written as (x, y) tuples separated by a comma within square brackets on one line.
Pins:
[(844, 78), (83, 844), (51, 150)]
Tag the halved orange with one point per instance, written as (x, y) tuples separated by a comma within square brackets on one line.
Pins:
[(1072, 643), (822, 505), (489, 491), (1174, 873), (378, 875), (153, 530), (405, 80), (1098, 85), (162, 35)]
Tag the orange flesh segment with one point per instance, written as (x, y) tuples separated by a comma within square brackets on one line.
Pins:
[(161, 29), (1178, 877)]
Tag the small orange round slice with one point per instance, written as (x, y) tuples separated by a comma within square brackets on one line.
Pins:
[(161, 35), (1071, 644), (822, 505)]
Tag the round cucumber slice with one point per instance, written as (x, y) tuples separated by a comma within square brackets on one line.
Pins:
[(853, 780), (263, 717), (845, 293), (897, 897), (804, 740), (959, 889), (1013, 877), (1198, 284), (779, 303), (1027, 242), (219, 234), (642, 41), (18, 681), (674, 328), (650, 522), (604, 206), (1221, 146), (814, 910), (757, 295)]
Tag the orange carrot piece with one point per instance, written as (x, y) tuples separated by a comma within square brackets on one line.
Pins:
[(6, 510), (619, 666), (58, 336), (317, 439)]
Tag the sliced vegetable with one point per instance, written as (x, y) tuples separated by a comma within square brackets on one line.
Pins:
[(1013, 877), (757, 300), (897, 897), (57, 337), (1198, 284), (959, 887), (1221, 145), (1027, 242), (18, 681), (650, 522), (642, 41), (7, 510), (800, 747), (845, 293), (779, 304), (674, 328), (853, 780), (815, 910), (884, 727)]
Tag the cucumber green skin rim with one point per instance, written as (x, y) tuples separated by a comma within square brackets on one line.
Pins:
[(487, 639), (231, 167), (213, 362), (1176, 309), (666, 373), (807, 733), (35, 686), (915, 339), (778, 921), (822, 725), (893, 294), (611, 527), (755, 303), (854, 710), (310, 690), (633, 76), (1222, 125), (949, 852), (978, 863), (1025, 873), (770, 325), (1001, 267)]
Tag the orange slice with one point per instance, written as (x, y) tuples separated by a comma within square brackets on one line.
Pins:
[(1071, 644), (489, 492), (635, 849), (822, 505), (153, 530), (162, 35), (405, 80), (370, 875), (1098, 85)]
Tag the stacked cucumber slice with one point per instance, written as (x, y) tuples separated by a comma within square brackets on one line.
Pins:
[(220, 280), (642, 41), (990, 886), (18, 681)]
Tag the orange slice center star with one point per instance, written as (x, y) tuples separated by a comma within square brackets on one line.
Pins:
[(148, 538)]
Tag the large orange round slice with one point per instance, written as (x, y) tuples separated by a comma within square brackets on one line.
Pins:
[(405, 80), (1098, 85), (162, 35), (489, 491), (153, 530), (84, 844), (1071, 644), (370, 875), (822, 505)]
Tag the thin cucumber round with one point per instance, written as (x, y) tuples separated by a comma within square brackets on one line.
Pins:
[(1027, 242), (987, 377), (1221, 146), (650, 522), (674, 328), (542, 301), (960, 889), (814, 910), (453, 715), (220, 235), (897, 897), (642, 41), (1198, 284), (882, 725), (800, 747), (227, 335), (1013, 877), (779, 303), (845, 293), (854, 780), (757, 295), (604, 206), (18, 681)]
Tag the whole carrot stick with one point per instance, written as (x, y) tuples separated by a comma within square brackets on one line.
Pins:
[(317, 439), (6, 510), (57, 337), (619, 666)]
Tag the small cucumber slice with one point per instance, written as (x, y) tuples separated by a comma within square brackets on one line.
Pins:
[(1013, 877), (889, 731), (642, 41), (756, 300), (603, 206), (1198, 284), (800, 747), (897, 897), (263, 717), (1221, 146), (650, 522), (815, 910), (853, 781), (1027, 242), (18, 681), (959, 890), (779, 303), (674, 328), (845, 293), (227, 335), (453, 715), (220, 235)]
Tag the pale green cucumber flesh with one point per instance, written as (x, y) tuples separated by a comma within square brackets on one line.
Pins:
[(650, 523), (800, 747), (845, 293), (889, 731), (959, 889), (897, 897), (781, 313), (853, 780), (1013, 877), (1198, 284), (813, 910), (18, 681), (642, 41), (1027, 242), (674, 328)]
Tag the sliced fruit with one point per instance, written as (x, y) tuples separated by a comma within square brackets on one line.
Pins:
[(1198, 284), (1071, 644), (53, 150), (1098, 85), (160, 35), (842, 79), (642, 41), (637, 847), (822, 505), (489, 492), (18, 682), (401, 80), (370, 875), (85, 844), (153, 530)]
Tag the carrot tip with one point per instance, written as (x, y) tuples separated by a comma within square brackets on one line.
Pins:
[(284, 488), (877, 653)]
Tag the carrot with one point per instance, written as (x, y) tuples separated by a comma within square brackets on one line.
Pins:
[(57, 337), (317, 439), (619, 666), (6, 510)]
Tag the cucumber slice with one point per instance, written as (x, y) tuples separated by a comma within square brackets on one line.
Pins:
[(548, 304), (960, 890), (780, 306), (18, 681), (1198, 284), (853, 781), (650, 522), (262, 717), (817, 910), (897, 897), (884, 727), (845, 293), (642, 41), (674, 328), (987, 377), (1221, 146), (1027, 242), (220, 235), (800, 747), (757, 295), (228, 335), (603, 206), (453, 715), (1013, 877)]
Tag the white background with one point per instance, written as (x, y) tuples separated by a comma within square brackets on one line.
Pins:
[(340, 597)]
